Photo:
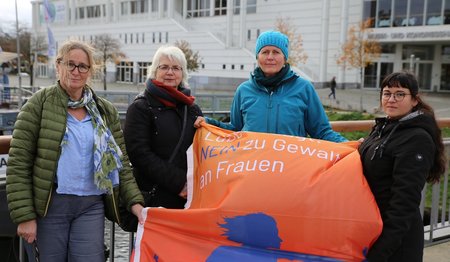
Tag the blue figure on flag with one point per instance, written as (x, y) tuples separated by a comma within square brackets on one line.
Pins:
[(258, 234)]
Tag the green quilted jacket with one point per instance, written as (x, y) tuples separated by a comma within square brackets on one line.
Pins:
[(35, 150)]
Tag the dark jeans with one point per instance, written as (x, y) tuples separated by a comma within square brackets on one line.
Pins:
[(73, 230)]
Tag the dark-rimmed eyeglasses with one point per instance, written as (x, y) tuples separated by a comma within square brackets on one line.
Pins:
[(166, 68), (398, 96), (82, 68)]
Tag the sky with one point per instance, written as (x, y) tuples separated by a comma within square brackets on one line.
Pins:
[(8, 13)]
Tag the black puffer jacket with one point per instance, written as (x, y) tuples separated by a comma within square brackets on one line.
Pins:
[(397, 157), (152, 131)]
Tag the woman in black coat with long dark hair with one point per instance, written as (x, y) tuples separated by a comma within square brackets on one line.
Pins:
[(402, 153), (159, 130)]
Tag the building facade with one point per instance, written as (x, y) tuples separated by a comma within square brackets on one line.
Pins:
[(414, 35)]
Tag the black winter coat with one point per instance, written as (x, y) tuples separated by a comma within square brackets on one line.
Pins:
[(151, 132), (397, 157)]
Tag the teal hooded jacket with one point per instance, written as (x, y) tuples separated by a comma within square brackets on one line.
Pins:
[(293, 108)]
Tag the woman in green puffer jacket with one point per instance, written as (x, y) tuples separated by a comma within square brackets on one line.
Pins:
[(68, 166)]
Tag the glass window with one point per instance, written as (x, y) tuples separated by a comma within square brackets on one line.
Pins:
[(93, 11), (251, 6), (124, 8), (424, 75), (237, 7), (370, 75), (434, 12), (388, 48), (155, 5), (220, 7), (447, 12), (416, 8), (422, 52), (139, 6), (385, 70), (143, 71), (198, 8), (125, 72), (400, 8), (445, 77), (445, 50), (384, 13), (80, 12), (369, 11)]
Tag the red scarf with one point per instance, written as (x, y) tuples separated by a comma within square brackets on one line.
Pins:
[(169, 95)]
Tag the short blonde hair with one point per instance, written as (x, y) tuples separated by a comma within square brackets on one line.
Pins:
[(73, 44), (172, 53)]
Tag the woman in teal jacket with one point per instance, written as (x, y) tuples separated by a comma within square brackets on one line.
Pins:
[(275, 99), (67, 165)]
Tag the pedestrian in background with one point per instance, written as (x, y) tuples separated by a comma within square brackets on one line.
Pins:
[(403, 151), (275, 99), (67, 165), (159, 129), (333, 88)]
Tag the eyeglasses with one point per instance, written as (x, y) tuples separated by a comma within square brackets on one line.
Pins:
[(398, 96), (166, 68), (82, 68)]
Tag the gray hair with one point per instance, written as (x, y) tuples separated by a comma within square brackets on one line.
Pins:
[(172, 53)]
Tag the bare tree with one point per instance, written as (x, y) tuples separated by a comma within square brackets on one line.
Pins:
[(297, 53), (359, 51), (108, 51), (193, 58)]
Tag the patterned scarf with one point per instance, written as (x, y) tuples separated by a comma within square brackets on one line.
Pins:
[(168, 95), (271, 82), (107, 153)]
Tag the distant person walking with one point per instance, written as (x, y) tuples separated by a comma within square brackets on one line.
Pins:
[(333, 88)]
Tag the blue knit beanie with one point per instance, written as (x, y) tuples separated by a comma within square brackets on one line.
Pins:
[(273, 38)]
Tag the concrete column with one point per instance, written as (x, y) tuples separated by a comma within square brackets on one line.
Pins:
[(67, 17), (170, 8), (184, 14), (324, 41), (108, 10), (211, 7), (343, 37), (242, 24), (229, 37), (116, 10), (160, 8)]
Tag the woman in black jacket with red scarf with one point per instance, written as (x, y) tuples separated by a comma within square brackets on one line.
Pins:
[(159, 128), (403, 151)]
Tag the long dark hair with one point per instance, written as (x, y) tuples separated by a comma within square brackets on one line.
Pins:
[(406, 79)]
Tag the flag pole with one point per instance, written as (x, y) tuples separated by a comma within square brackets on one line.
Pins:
[(19, 73)]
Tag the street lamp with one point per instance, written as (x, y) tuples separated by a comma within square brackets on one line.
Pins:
[(19, 63)]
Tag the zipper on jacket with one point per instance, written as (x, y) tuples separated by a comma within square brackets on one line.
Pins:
[(269, 110), (56, 169), (115, 207)]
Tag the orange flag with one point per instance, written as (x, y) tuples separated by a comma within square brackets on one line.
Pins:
[(266, 197)]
